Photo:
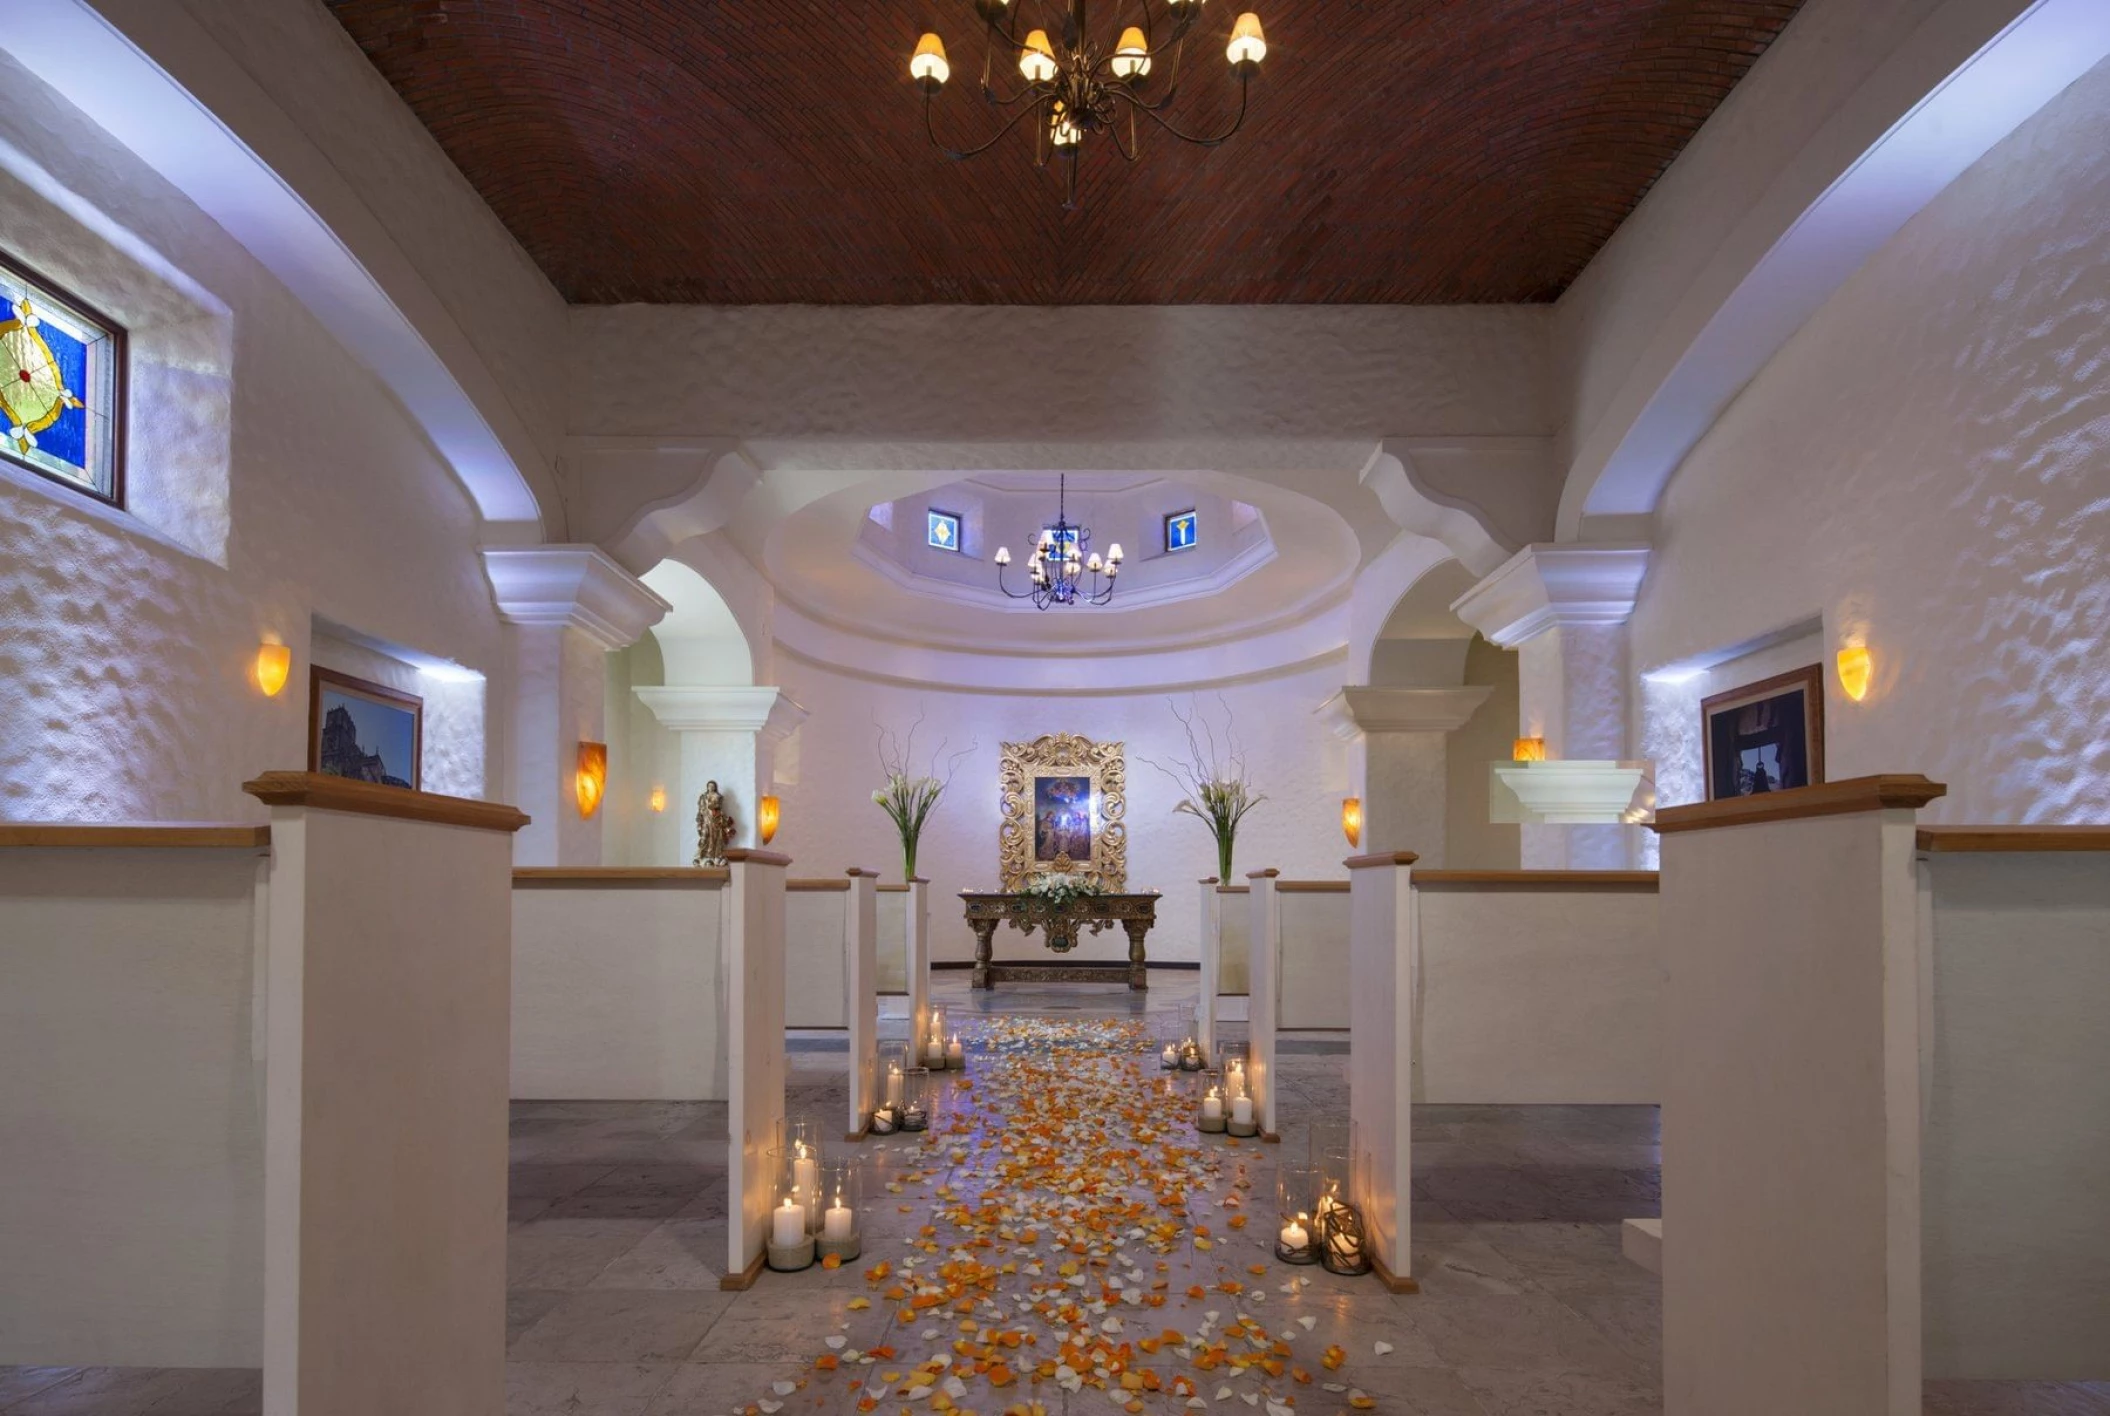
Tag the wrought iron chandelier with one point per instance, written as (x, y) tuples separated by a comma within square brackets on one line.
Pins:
[(1076, 86), (1062, 560)]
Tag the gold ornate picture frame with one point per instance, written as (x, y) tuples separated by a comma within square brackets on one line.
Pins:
[(1065, 804)]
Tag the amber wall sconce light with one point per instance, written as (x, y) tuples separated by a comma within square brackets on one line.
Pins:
[(273, 663), (1352, 819), (1531, 749), (767, 813), (1856, 668), (591, 779), (658, 800)]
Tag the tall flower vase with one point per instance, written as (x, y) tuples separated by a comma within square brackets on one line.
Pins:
[(1226, 842), (908, 857)]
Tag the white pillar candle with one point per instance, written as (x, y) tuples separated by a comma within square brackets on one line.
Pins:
[(1242, 1110), (1171, 1055), (806, 1172), (1295, 1235), (934, 1051), (1212, 1106), (788, 1224), (835, 1224), (954, 1052), (893, 1086)]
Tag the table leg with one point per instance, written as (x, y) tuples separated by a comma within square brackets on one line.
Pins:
[(1138, 979), (984, 948)]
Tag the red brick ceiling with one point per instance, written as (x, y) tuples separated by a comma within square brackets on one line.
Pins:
[(772, 151)]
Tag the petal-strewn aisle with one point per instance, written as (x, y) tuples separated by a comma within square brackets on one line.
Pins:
[(1070, 1239)]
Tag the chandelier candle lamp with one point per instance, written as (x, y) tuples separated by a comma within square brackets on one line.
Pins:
[(1062, 560), (1078, 84)]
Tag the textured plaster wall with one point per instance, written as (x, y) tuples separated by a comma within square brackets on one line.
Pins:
[(830, 822), (1471, 841), (953, 373), (1923, 464), (125, 645)]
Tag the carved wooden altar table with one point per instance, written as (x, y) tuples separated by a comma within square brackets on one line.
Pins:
[(1087, 913)]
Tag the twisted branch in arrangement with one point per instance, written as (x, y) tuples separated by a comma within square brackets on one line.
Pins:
[(1214, 777), (909, 796)]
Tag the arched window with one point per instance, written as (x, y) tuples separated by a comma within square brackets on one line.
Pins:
[(61, 386)]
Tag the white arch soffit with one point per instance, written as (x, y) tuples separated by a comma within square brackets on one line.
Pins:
[(699, 625), (1456, 526), (1380, 588), (1741, 310), (138, 84)]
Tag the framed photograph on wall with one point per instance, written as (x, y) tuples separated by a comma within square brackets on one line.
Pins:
[(1766, 736), (363, 730)]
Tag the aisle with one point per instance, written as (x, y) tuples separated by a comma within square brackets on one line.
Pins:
[(1063, 1237)]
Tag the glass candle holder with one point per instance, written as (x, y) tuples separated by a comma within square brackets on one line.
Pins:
[(894, 1063), (1193, 1056), (840, 1233), (1296, 1196), (930, 1047), (1210, 1109), (916, 1099), (1169, 1055), (955, 1053), (1240, 1116), (789, 1241), (1342, 1246)]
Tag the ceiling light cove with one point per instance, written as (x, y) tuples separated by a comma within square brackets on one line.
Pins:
[(1081, 85)]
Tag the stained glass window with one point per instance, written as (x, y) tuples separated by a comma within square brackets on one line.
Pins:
[(61, 372), (1182, 531), (1067, 540), (945, 530)]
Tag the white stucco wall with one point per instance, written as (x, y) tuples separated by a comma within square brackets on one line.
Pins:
[(273, 481), (1923, 464)]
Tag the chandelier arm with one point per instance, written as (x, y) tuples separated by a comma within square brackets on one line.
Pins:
[(1208, 142), (962, 154)]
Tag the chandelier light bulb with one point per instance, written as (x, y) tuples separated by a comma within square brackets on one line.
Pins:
[(1061, 131), (927, 66), (1132, 56), (1003, 555), (1037, 62), (1248, 44), (1113, 554), (1092, 565)]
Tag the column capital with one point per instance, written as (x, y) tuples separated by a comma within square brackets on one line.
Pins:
[(1357, 710), (576, 587), (769, 711), (1548, 586)]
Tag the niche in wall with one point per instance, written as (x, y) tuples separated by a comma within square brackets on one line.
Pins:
[(454, 735)]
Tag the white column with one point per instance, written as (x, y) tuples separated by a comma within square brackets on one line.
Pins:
[(917, 957), (728, 736), (754, 1018), (1266, 1010), (861, 984), (1564, 609), (1791, 1103), (568, 607), (1382, 971), (1211, 954), (1403, 734)]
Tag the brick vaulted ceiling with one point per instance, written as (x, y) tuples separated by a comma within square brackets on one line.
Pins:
[(772, 151)]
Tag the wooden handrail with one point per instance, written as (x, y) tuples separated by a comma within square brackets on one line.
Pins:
[(148, 835), (1944, 839), (1892, 791), (1311, 887), (587, 876), (327, 793), (1373, 862), (815, 886), (1538, 879)]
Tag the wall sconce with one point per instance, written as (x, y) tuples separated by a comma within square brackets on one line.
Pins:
[(1352, 819), (1855, 669), (658, 800), (768, 812), (1531, 749), (273, 662), (591, 780)]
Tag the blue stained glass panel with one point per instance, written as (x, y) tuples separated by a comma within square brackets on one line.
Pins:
[(944, 530), (60, 385), (1182, 531), (67, 439)]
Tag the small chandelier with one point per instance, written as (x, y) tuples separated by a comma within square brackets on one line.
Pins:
[(1062, 559), (1074, 86)]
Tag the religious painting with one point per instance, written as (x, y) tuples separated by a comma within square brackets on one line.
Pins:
[(1065, 798), (366, 731), (1766, 736)]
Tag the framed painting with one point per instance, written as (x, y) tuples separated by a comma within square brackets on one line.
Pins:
[(1766, 736), (1065, 798), (363, 730)]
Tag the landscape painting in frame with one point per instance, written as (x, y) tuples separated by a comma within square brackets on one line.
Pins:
[(1766, 736), (366, 731)]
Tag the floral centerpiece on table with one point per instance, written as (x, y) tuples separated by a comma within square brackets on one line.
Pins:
[(910, 796), (1213, 775), (1054, 890)]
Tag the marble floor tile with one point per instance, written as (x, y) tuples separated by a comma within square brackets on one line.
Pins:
[(678, 1253), (568, 1253), (1510, 1393), (1567, 1257), (724, 1388), (1997, 1398), (1529, 1332), (583, 1388), (627, 1325), (162, 1391), (17, 1383)]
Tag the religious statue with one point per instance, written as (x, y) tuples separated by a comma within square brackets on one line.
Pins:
[(714, 826)]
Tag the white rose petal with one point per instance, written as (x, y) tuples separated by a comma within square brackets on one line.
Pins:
[(784, 1388), (1383, 1348), (1307, 1322), (837, 1342)]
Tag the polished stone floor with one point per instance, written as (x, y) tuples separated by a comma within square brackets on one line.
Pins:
[(618, 1238)]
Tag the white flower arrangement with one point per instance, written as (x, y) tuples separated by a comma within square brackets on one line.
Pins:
[(1056, 890)]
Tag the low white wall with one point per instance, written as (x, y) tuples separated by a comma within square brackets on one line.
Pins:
[(131, 1107), (816, 987), (1314, 991), (618, 985), (893, 939), (1235, 961), (1537, 988), (2016, 1217)]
